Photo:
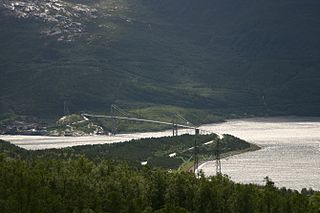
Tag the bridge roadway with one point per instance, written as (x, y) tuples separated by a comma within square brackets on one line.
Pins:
[(137, 119), (145, 120)]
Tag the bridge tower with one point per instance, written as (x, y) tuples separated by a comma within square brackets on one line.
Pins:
[(116, 111), (174, 129), (197, 131), (113, 120)]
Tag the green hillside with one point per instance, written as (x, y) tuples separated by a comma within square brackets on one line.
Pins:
[(82, 185), (155, 151), (231, 57)]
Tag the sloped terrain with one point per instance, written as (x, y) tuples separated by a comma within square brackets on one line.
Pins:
[(255, 57)]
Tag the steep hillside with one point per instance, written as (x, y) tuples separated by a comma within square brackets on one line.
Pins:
[(253, 56)]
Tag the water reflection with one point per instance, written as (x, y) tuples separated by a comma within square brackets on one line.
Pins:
[(290, 152)]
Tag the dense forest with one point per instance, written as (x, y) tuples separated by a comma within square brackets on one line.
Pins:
[(84, 186), (53, 181)]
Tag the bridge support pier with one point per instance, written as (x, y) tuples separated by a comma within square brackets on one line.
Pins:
[(174, 129), (197, 131)]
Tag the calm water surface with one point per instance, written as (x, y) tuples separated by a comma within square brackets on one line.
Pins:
[(290, 153)]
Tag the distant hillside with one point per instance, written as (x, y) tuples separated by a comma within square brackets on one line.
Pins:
[(230, 57)]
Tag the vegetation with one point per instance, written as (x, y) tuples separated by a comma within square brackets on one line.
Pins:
[(75, 124), (162, 113), (82, 179), (156, 151), (224, 57), (81, 185)]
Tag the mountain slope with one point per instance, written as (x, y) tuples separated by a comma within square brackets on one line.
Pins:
[(251, 56)]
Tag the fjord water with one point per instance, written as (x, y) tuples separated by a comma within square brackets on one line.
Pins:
[(48, 142), (290, 153)]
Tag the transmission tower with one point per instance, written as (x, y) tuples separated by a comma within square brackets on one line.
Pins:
[(66, 107), (196, 158), (218, 157), (173, 129)]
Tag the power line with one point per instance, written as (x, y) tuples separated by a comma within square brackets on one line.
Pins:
[(174, 125)]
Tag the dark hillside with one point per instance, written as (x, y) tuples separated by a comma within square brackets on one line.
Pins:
[(252, 56)]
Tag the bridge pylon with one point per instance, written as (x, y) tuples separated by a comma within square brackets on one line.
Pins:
[(174, 129), (113, 120)]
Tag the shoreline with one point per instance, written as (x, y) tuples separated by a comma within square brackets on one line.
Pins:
[(252, 148), (281, 118)]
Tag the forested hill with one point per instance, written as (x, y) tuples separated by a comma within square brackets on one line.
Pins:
[(81, 185), (166, 152), (251, 56)]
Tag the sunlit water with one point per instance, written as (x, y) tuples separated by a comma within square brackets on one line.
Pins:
[(290, 153), (47, 142)]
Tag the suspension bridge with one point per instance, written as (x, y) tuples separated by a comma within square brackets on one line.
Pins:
[(125, 116), (174, 125)]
